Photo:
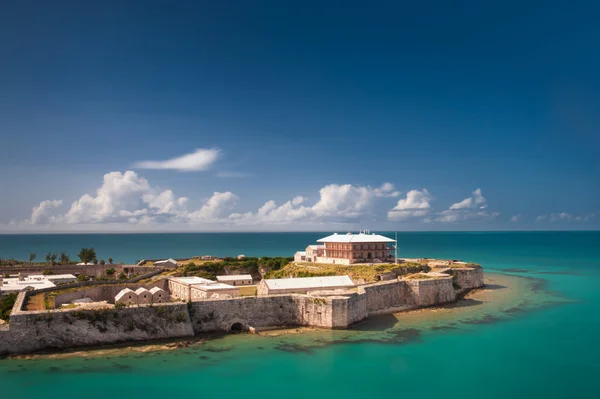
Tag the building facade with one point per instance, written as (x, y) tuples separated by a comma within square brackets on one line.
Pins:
[(346, 249)]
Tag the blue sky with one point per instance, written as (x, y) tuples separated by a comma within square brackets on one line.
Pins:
[(311, 106)]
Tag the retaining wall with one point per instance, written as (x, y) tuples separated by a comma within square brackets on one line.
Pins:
[(430, 292)]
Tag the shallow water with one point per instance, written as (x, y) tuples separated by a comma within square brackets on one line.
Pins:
[(531, 333)]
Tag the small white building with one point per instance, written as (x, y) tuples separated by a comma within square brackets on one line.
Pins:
[(196, 288), (207, 291), (302, 285), (126, 297), (11, 285), (143, 296), (58, 278), (159, 295), (235, 279), (241, 256), (166, 263)]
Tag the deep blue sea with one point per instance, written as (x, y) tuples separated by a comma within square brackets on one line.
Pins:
[(534, 336)]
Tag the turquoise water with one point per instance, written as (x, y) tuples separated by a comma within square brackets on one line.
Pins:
[(547, 351)]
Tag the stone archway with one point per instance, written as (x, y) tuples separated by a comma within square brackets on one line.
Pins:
[(237, 328)]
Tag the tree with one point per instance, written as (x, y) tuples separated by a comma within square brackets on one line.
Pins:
[(87, 255), (102, 262), (122, 276), (95, 261), (64, 258), (110, 260), (83, 278), (110, 272), (51, 258), (32, 257)]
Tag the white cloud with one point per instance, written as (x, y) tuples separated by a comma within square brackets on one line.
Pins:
[(472, 207), (199, 160), (45, 212), (566, 217), (475, 201), (515, 218), (216, 208), (337, 202), (416, 204)]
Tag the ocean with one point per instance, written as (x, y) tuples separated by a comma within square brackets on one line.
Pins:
[(532, 334)]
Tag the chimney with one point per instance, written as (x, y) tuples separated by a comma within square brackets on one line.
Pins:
[(20, 276)]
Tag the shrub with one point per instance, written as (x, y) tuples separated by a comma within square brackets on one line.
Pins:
[(110, 272), (6, 304)]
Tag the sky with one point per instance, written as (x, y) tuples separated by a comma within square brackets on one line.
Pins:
[(120, 116)]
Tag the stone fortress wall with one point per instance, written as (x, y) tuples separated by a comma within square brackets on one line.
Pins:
[(63, 328)]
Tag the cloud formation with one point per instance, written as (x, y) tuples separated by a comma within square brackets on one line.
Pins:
[(199, 160), (129, 198), (416, 204), (45, 212), (337, 203), (472, 207), (566, 217)]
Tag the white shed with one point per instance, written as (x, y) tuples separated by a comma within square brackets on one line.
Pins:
[(158, 295), (126, 297), (143, 295)]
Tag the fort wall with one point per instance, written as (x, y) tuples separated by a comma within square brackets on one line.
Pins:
[(31, 331)]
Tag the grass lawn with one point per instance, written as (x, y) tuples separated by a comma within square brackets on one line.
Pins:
[(248, 290)]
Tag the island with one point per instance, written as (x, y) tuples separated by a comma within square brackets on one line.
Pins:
[(347, 280)]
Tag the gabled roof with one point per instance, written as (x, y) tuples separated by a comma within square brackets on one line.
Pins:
[(123, 292), (309, 282), (355, 238), (140, 290), (170, 260), (154, 290)]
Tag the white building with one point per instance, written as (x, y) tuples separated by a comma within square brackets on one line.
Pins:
[(143, 296), (10, 285), (302, 285), (158, 295), (235, 279), (57, 278), (166, 263), (126, 297), (195, 288)]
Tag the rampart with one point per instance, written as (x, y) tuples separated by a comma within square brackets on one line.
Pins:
[(66, 328)]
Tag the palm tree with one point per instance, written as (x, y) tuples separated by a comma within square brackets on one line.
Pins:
[(64, 258), (87, 255), (51, 258), (32, 257), (102, 262), (110, 260)]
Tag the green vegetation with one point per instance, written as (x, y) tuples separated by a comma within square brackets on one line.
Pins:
[(366, 273), (64, 258), (51, 258), (6, 304), (419, 276), (32, 257), (211, 269), (83, 278), (110, 272), (87, 255)]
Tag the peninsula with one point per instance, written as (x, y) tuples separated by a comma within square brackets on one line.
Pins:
[(348, 279)]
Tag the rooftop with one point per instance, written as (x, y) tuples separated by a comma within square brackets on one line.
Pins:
[(15, 285), (54, 276), (358, 238), (234, 277), (214, 287), (192, 280), (309, 282)]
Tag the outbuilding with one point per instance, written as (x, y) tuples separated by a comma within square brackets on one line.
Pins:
[(235, 279), (166, 263), (143, 296), (126, 297), (158, 295), (302, 285)]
